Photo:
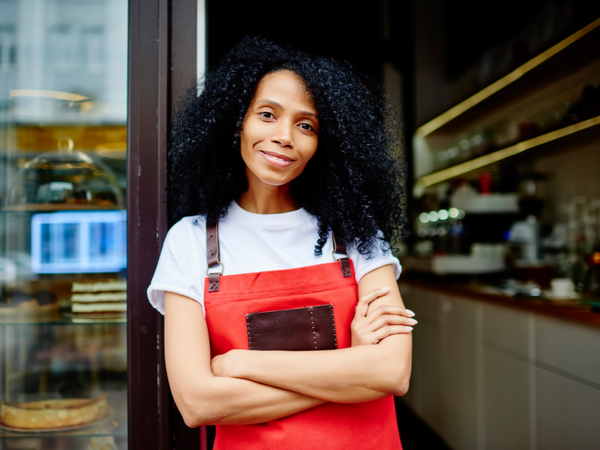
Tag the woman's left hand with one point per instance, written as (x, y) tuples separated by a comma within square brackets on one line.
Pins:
[(216, 365), (368, 328), (227, 364)]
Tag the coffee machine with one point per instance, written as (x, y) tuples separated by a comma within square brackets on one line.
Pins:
[(525, 234)]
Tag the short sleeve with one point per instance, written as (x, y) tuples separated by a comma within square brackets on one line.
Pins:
[(181, 265), (380, 257)]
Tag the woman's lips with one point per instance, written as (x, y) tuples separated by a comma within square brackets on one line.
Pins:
[(276, 159)]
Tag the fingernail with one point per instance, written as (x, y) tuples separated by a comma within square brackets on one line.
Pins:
[(410, 313), (409, 328), (412, 321), (385, 289)]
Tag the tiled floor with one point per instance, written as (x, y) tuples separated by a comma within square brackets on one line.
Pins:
[(414, 433)]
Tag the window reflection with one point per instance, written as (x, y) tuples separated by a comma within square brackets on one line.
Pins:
[(63, 135), (79, 242)]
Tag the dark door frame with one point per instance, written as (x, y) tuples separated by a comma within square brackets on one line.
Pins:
[(162, 63)]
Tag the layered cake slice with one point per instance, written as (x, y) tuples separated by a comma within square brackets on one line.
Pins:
[(108, 297)]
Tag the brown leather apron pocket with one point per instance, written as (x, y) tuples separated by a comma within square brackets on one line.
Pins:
[(309, 328)]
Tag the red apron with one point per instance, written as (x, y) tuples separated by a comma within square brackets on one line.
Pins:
[(369, 425)]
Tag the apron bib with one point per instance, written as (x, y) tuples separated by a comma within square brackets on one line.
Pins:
[(334, 426)]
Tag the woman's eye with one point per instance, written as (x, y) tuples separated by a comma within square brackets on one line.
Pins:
[(306, 127), (267, 114)]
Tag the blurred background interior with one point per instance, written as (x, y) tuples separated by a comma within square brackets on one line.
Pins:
[(500, 112)]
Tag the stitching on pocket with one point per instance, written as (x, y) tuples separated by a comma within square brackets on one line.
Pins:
[(248, 328), (312, 320), (333, 322)]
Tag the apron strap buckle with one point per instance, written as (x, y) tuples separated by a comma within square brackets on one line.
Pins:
[(340, 248), (212, 253)]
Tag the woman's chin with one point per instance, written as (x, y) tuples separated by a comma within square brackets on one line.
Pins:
[(267, 178)]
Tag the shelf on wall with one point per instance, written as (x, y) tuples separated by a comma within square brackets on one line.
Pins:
[(491, 158), (517, 80)]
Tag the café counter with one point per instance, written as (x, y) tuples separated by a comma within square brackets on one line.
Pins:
[(493, 372)]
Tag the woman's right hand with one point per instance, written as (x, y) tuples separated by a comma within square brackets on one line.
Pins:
[(368, 328)]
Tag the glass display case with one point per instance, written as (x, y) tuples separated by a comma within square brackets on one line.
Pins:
[(63, 225)]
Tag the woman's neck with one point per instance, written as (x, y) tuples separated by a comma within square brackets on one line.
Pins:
[(265, 199)]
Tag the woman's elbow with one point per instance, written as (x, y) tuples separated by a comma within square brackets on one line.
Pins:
[(393, 385), (400, 380), (192, 420), (401, 387), (193, 417), (395, 364), (196, 412)]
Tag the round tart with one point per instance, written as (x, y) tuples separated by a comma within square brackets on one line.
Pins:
[(58, 413)]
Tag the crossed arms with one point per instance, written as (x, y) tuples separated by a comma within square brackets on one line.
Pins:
[(245, 387)]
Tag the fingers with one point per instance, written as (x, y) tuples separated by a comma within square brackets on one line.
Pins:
[(378, 335), (389, 310), (363, 303), (387, 320), (370, 327), (384, 325), (390, 330)]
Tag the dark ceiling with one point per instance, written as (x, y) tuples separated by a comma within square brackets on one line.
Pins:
[(353, 30), (346, 30)]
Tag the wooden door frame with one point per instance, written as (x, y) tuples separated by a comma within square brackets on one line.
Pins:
[(162, 63)]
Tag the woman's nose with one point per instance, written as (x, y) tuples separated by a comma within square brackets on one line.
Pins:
[(283, 135)]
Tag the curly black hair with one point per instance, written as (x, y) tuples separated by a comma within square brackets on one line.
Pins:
[(352, 185)]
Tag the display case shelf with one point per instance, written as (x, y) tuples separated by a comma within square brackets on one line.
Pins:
[(557, 62), (61, 320), (49, 207)]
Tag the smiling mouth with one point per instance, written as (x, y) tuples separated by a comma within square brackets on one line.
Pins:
[(276, 157)]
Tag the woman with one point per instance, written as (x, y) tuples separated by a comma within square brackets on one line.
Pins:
[(281, 151)]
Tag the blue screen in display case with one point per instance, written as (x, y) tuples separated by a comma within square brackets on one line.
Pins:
[(79, 242)]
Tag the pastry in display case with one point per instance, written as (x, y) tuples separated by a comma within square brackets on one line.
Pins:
[(64, 180), (56, 414), (19, 305), (63, 310), (64, 214), (63, 225), (63, 384), (99, 299)]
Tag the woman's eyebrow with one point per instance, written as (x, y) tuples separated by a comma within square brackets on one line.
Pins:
[(278, 105)]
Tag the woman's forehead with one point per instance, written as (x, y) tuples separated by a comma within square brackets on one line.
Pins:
[(284, 86)]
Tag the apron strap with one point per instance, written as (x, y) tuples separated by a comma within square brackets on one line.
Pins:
[(340, 248), (213, 258), (212, 253)]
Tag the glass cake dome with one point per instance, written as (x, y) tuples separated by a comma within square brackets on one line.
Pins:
[(64, 180)]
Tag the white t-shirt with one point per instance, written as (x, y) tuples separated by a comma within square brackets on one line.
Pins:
[(248, 243)]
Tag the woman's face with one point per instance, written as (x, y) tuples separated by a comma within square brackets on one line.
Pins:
[(280, 131)]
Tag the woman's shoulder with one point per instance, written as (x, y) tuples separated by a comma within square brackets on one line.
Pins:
[(379, 255), (187, 231), (188, 222)]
